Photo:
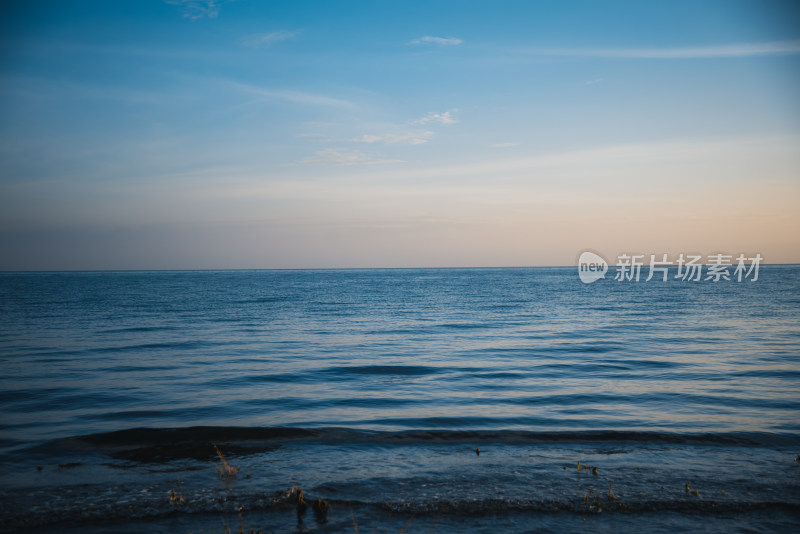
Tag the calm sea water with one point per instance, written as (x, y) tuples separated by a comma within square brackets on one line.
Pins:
[(373, 388)]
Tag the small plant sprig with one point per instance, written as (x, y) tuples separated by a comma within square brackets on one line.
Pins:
[(176, 498), (226, 471), (226, 528), (611, 496)]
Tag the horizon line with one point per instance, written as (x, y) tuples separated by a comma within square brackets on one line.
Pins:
[(177, 270)]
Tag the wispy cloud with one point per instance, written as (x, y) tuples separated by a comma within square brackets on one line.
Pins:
[(297, 97), (587, 163), (50, 89), (592, 82), (340, 157), (443, 118), (442, 41), (267, 39), (198, 9), (698, 52), (413, 138)]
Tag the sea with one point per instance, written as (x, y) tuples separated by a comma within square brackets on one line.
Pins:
[(398, 400)]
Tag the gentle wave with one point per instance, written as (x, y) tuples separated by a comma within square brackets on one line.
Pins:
[(147, 437)]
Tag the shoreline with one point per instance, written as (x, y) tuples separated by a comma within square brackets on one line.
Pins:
[(439, 485)]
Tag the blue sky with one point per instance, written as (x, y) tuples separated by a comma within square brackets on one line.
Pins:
[(242, 134)]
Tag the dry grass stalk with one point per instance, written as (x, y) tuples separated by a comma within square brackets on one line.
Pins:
[(227, 471)]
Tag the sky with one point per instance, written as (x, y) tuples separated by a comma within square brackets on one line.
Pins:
[(214, 134)]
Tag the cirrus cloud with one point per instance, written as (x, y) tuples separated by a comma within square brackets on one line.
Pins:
[(442, 41), (413, 138), (198, 9), (442, 118), (337, 156), (775, 48), (267, 39)]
